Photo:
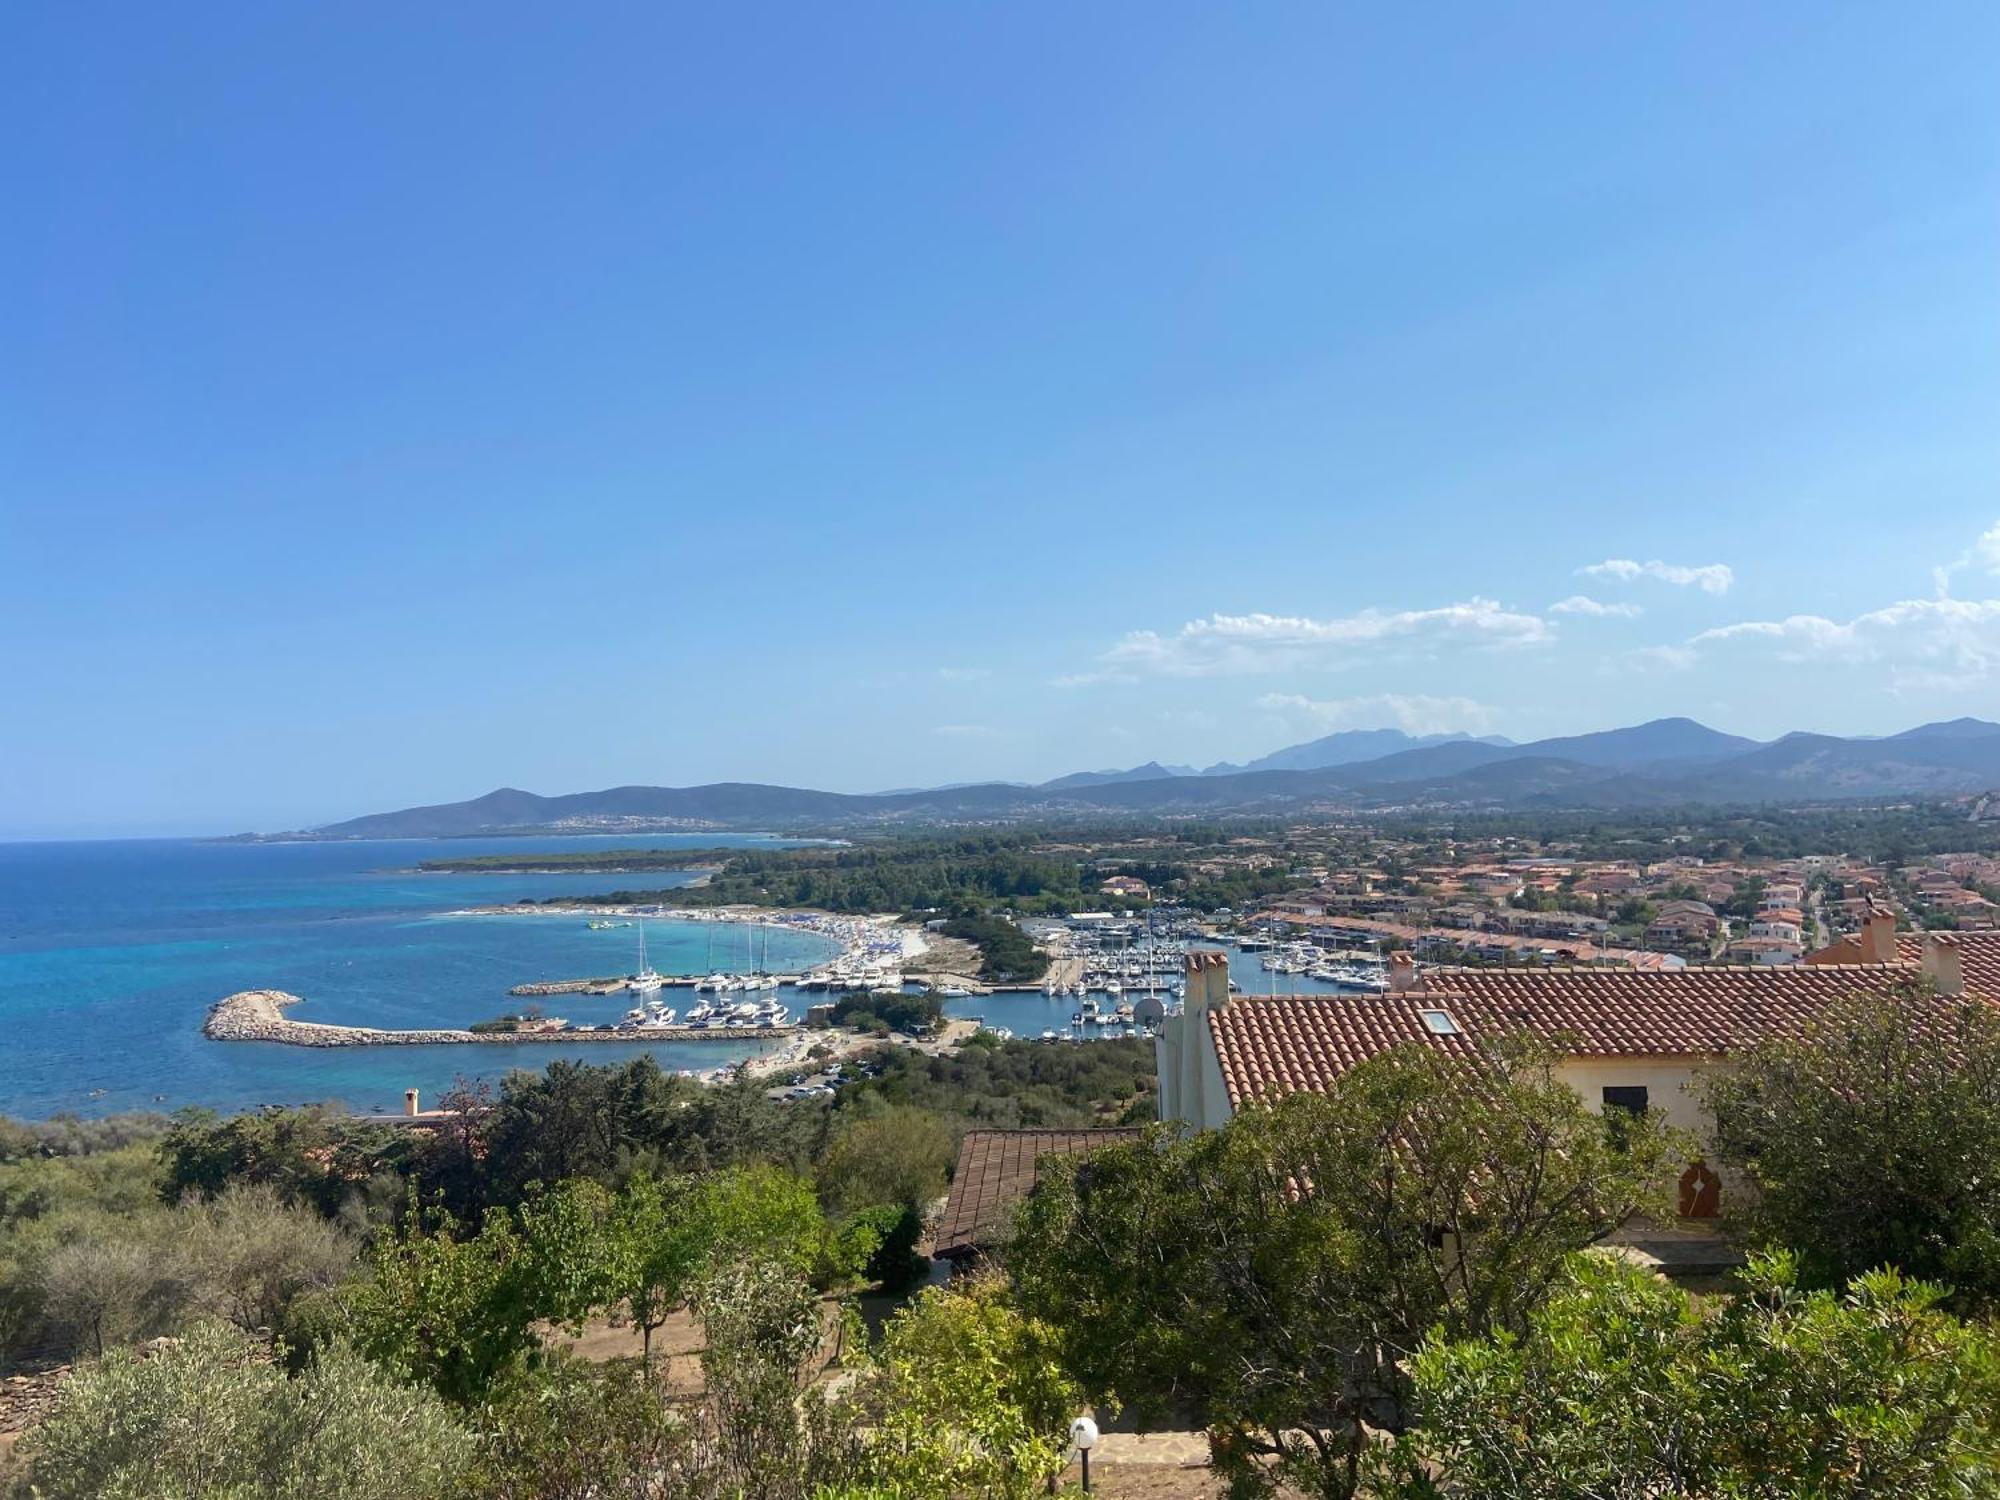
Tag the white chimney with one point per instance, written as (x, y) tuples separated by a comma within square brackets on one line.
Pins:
[(1942, 964), (1207, 980)]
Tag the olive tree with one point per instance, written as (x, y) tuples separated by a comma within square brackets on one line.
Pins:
[(251, 1254), (208, 1416)]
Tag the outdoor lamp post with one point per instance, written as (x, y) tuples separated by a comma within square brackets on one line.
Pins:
[(1083, 1433)]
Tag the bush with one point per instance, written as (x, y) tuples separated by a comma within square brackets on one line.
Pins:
[(206, 1417), (1871, 1140), (251, 1254), (1621, 1385)]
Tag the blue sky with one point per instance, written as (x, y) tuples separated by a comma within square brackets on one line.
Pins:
[(401, 402)]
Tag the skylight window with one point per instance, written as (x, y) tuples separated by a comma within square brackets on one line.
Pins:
[(1439, 1022)]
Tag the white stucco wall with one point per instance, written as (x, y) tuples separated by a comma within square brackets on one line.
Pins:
[(1666, 1080)]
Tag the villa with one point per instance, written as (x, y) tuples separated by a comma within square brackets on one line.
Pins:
[(1626, 1039)]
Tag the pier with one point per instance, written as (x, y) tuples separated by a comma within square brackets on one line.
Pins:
[(259, 1016), (611, 984)]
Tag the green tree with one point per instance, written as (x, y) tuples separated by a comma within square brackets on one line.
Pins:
[(769, 1431), (309, 1156), (455, 1313), (209, 1417), (968, 1397), (666, 1234), (1872, 1140), (890, 1154), (657, 1251), (570, 1261), (1623, 1388), (1275, 1274)]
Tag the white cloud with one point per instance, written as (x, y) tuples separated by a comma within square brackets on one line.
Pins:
[(1230, 644), (1662, 658), (1583, 604), (1986, 551), (1413, 713), (964, 674), (965, 731), (1710, 578), (1983, 554), (1926, 643)]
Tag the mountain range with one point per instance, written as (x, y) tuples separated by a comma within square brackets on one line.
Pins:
[(1663, 763)]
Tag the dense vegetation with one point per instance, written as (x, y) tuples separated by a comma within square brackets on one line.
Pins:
[(1006, 953), (1381, 1291), (884, 1011), (1873, 1142), (962, 875), (1021, 1085)]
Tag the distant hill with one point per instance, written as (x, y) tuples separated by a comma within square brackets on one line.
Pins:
[(1665, 762), (1152, 770), (1345, 748)]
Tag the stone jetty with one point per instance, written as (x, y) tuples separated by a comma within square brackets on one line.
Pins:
[(259, 1016), (605, 983)]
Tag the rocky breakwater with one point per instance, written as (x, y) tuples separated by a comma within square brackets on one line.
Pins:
[(259, 1016)]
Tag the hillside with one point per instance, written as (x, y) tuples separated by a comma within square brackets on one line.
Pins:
[(1664, 762)]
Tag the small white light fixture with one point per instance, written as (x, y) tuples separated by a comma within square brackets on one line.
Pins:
[(1083, 1436)]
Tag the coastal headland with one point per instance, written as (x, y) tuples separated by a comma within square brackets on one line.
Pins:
[(259, 1016)]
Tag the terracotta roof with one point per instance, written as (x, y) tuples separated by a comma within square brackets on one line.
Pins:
[(1281, 1045), (996, 1168)]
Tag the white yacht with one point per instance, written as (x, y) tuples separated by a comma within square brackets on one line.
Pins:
[(699, 1013), (645, 982)]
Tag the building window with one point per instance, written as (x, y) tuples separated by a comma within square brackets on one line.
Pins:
[(1440, 1023), (1630, 1098)]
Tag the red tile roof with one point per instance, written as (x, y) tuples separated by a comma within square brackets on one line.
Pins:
[(996, 1170), (1285, 1044)]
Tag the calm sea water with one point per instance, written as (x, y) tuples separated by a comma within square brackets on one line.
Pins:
[(111, 954)]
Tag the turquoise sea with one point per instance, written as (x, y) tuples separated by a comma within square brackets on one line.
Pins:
[(112, 952)]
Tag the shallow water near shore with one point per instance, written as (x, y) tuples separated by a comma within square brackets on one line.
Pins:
[(112, 952)]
